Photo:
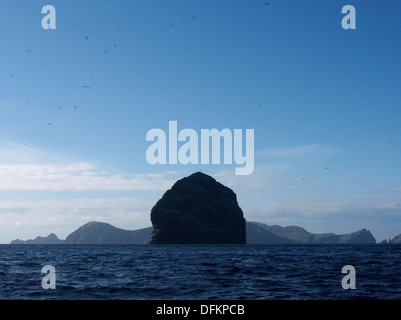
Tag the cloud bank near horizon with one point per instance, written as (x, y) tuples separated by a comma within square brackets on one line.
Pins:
[(77, 177), (42, 193)]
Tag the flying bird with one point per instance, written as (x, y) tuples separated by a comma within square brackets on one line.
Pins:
[(193, 17), (86, 37), (28, 50), (87, 87), (266, 3), (115, 45)]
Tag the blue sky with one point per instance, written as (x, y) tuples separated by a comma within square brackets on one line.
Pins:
[(324, 103)]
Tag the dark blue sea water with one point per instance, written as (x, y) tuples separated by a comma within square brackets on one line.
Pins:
[(200, 272)]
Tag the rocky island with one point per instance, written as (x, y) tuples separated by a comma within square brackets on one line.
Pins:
[(50, 239), (103, 233), (262, 233), (198, 210)]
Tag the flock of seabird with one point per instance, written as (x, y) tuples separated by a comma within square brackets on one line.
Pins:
[(105, 51)]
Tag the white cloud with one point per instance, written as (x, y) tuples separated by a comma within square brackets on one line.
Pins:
[(313, 151), (388, 190), (26, 168), (77, 177)]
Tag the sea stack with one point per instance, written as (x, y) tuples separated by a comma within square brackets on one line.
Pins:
[(198, 210)]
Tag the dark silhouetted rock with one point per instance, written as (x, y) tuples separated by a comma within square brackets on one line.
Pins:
[(50, 239), (198, 210), (104, 233)]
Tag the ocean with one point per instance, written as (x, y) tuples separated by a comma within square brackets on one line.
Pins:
[(192, 272)]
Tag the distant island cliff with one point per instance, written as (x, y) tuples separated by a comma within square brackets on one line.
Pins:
[(103, 233), (50, 239), (256, 233), (262, 233)]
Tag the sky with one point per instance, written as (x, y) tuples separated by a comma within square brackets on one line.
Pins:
[(77, 101)]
